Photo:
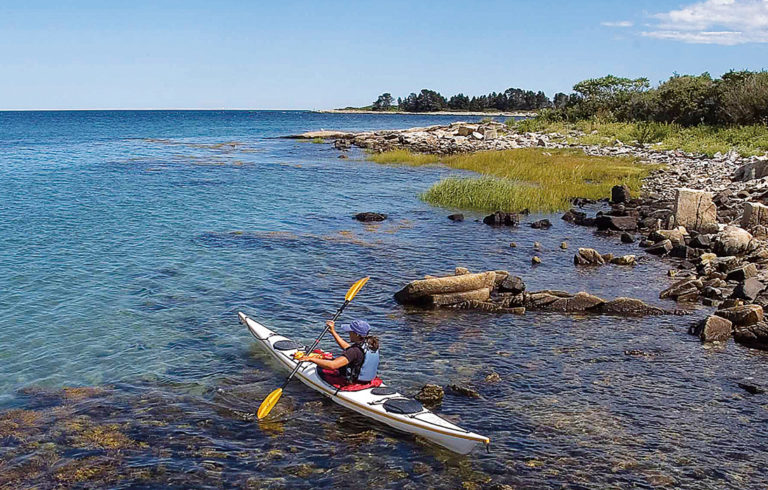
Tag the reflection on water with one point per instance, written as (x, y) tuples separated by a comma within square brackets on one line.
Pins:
[(129, 281)]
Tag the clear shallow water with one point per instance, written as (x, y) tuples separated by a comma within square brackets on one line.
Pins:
[(129, 240)]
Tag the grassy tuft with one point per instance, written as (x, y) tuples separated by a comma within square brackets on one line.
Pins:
[(530, 178), (317, 141), (746, 140)]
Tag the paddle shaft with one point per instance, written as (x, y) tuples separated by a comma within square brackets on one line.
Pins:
[(298, 365)]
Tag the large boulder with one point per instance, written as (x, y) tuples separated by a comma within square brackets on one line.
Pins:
[(752, 170), (694, 209), (620, 194), (754, 214), (749, 289), (713, 329), (743, 315), (617, 223), (588, 256), (733, 241), (627, 307), (500, 218), (755, 335), (418, 291)]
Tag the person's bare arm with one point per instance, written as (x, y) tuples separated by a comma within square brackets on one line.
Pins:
[(337, 363), (342, 343)]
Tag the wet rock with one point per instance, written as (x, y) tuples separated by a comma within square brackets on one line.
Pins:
[(620, 194), (742, 273), (430, 395), (564, 245), (617, 223), (460, 271), (562, 302), (463, 391), (456, 217), (661, 248), (535, 260), (513, 244), (624, 260), (588, 256), (416, 291), (743, 315), (754, 335), (542, 224), (537, 246), (370, 217), (501, 219), (343, 156), (578, 218), (694, 209), (750, 388), (493, 378), (435, 300), (638, 353), (749, 289), (512, 284), (627, 238), (732, 241), (713, 329), (681, 288), (627, 307)]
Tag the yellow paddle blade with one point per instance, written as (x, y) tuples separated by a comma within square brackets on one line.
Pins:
[(269, 402), (356, 287)]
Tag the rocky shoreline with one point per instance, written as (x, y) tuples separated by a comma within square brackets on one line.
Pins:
[(439, 113), (706, 215)]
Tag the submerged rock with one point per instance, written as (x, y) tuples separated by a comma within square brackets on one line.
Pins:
[(370, 217), (541, 224), (430, 395), (627, 307), (456, 217), (463, 391)]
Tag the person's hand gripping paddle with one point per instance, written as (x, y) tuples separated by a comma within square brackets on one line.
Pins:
[(271, 400)]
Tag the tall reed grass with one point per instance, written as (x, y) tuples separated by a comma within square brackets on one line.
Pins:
[(513, 180)]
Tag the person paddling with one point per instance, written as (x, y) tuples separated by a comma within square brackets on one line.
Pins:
[(359, 362)]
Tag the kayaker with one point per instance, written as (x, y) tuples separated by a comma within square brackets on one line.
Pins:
[(359, 362)]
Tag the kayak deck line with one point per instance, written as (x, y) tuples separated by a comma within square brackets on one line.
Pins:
[(415, 421)]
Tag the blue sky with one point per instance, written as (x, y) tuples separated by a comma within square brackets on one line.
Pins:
[(297, 54)]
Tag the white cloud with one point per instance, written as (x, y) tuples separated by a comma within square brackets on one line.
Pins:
[(727, 22), (618, 23)]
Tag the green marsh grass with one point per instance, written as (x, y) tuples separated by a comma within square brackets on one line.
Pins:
[(746, 140), (513, 180)]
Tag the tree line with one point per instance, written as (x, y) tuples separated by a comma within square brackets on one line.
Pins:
[(512, 99), (736, 97)]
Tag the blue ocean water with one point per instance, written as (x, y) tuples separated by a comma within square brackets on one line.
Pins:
[(130, 239)]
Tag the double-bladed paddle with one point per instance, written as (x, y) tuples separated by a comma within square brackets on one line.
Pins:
[(271, 400)]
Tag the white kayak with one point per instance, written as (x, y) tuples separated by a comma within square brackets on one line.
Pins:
[(381, 403)]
